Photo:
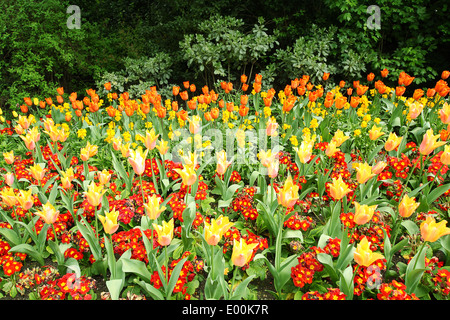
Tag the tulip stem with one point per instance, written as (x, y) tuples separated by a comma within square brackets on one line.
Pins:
[(54, 232), (167, 265), (232, 282)]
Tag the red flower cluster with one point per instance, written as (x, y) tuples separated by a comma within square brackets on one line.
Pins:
[(187, 274), (331, 294), (308, 265), (68, 286), (297, 222), (394, 291), (243, 203), (368, 276)]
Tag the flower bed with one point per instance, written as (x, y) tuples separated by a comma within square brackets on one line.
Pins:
[(329, 192)]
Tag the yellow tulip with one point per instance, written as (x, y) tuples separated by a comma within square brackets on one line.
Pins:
[(37, 172), (392, 142), (272, 169), (53, 133), (9, 157), (305, 151), (165, 232), (288, 196), (137, 160), (25, 199), (94, 194), (8, 197), (375, 133), (163, 147), (445, 156), (339, 189), (331, 149), (242, 252), (364, 256), (271, 127), (415, 109), (48, 213), (150, 139), (429, 142), (266, 157), (104, 176), (363, 213), (222, 163), (407, 206), (195, 124), (432, 231), (109, 221), (364, 172), (379, 167), (188, 175), (216, 229), (444, 113), (339, 138), (29, 141), (153, 209)]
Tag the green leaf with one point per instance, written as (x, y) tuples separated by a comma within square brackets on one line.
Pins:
[(115, 286), (29, 250), (137, 267), (411, 227), (240, 289)]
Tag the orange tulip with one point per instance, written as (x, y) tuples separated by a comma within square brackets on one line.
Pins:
[(445, 74), (243, 78), (9, 178), (399, 91), (432, 231), (339, 189), (370, 77), (354, 101), (363, 255), (340, 102), (418, 93), (184, 95), (243, 110), (429, 142), (288, 196), (360, 90), (384, 73), (407, 206), (175, 90), (325, 76), (28, 101), (109, 221)]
